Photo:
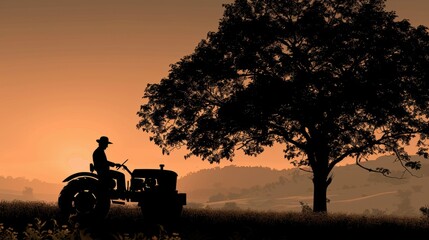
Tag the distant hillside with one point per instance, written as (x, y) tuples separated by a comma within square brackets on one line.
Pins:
[(353, 189), (28, 190), (229, 177)]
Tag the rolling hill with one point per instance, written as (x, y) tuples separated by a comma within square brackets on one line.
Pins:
[(353, 189)]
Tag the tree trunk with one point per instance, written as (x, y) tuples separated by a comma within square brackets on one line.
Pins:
[(320, 185)]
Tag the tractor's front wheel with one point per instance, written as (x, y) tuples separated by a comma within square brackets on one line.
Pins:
[(84, 197)]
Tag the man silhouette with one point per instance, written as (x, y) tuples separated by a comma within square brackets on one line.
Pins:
[(102, 165)]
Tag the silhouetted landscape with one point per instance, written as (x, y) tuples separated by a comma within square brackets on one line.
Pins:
[(36, 220), (354, 190), (327, 81)]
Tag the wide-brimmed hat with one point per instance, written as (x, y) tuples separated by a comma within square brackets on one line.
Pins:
[(103, 139)]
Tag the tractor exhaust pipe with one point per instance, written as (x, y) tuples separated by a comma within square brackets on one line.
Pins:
[(161, 166)]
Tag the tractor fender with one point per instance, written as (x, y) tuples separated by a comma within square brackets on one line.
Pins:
[(81, 175)]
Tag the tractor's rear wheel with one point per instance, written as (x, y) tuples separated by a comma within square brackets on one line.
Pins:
[(84, 197)]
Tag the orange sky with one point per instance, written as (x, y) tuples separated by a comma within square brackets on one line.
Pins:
[(71, 71)]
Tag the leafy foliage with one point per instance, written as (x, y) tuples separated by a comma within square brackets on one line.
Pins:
[(21, 220), (7, 233)]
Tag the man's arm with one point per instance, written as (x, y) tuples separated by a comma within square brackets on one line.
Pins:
[(112, 164)]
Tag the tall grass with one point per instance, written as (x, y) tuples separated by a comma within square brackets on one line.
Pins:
[(38, 220), (219, 224)]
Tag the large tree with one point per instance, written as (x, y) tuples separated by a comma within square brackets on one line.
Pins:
[(327, 79)]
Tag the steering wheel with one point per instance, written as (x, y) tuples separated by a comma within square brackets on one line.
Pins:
[(121, 165)]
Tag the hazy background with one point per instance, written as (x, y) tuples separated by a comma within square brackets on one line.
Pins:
[(71, 71), (353, 190)]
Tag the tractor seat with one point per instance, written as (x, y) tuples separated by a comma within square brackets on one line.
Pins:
[(111, 183)]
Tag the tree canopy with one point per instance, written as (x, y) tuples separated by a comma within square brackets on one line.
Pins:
[(327, 79)]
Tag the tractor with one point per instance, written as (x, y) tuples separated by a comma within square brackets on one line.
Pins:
[(153, 189)]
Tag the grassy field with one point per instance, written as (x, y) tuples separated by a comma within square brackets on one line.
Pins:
[(38, 220)]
